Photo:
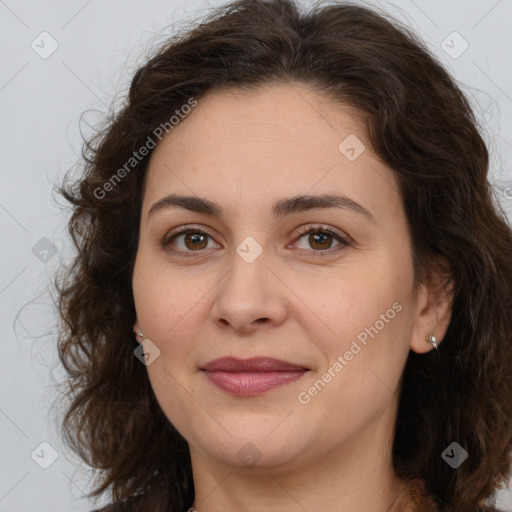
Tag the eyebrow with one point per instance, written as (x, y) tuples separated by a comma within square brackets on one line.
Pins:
[(280, 209)]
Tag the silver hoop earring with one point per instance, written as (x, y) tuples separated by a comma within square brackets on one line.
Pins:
[(432, 340)]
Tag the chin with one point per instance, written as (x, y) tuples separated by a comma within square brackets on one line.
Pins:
[(257, 450)]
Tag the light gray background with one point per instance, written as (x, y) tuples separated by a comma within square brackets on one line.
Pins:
[(42, 99)]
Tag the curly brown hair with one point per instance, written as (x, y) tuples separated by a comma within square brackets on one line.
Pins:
[(419, 123)]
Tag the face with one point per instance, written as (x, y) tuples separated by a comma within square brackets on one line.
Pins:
[(253, 279)]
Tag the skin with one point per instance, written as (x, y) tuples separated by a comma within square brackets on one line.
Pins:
[(245, 150)]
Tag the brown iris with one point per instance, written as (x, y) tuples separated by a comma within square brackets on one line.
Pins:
[(313, 240), (195, 238)]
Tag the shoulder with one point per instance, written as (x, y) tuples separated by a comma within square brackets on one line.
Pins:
[(129, 506), (117, 507), (138, 503), (113, 508), (132, 507), (415, 498)]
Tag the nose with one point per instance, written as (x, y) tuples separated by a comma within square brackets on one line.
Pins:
[(250, 297)]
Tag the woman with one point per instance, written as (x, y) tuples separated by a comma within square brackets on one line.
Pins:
[(292, 288)]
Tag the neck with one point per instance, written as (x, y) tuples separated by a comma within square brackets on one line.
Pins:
[(357, 475)]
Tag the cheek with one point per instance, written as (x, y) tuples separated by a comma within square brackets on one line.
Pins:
[(365, 356), (366, 322), (349, 302), (171, 311), (163, 297), (164, 306)]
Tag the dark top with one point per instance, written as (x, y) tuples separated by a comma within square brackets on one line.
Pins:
[(133, 508), (413, 498)]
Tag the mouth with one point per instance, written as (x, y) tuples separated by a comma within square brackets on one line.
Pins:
[(251, 377)]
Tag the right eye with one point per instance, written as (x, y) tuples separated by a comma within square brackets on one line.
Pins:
[(193, 240)]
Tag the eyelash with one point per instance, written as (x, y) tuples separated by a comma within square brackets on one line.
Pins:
[(344, 242)]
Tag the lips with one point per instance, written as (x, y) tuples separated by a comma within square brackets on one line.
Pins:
[(250, 377), (255, 364)]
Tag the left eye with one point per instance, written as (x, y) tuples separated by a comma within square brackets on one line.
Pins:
[(319, 237)]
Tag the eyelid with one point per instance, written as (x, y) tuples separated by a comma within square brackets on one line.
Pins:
[(312, 227), (182, 230)]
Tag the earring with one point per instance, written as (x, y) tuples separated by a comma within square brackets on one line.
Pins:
[(140, 335), (432, 340)]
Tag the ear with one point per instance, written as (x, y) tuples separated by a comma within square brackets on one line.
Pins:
[(137, 330), (433, 307)]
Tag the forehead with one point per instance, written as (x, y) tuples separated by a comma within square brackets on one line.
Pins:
[(297, 111), (282, 139)]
